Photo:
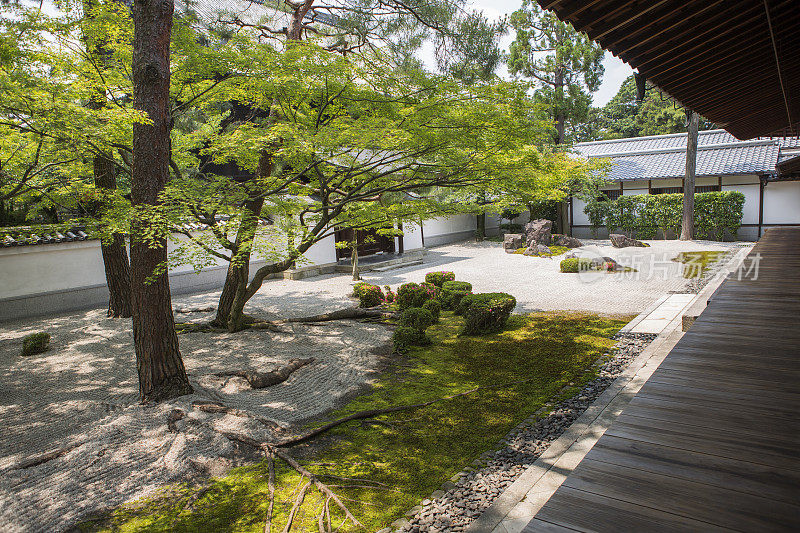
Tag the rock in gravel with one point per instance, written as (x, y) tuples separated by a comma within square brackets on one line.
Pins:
[(622, 241), (538, 232), (537, 250), (513, 242), (566, 240)]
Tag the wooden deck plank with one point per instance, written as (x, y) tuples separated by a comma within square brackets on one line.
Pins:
[(710, 441), (714, 505)]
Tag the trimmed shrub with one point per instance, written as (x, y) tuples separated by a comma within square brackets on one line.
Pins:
[(435, 308), (370, 296), (405, 337), (35, 343), (438, 278), (574, 265), (463, 303), (487, 312), (450, 299), (389, 295), (415, 295), (417, 317), (359, 287), (457, 286)]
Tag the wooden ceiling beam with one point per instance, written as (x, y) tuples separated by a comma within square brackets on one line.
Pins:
[(719, 89), (662, 25), (693, 37), (706, 57), (609, 23), (750, 49), (576, 7)]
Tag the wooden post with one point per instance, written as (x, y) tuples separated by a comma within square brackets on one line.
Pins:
[(687, 226), (762, 183)]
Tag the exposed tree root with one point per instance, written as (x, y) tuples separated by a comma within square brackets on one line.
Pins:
[(195, 310), (268, 448), (372, 413), (275, 449), (271, 485), (214, 408), (192, 327), (45, 457), (341, 314), (260, 380), (172, 418)]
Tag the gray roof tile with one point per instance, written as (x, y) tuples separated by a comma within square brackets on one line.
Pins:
[(663, 156)]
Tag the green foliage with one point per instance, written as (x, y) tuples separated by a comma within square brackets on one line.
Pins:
[(405, 337), (388, 294), (487, 312), (576, 264), (624, 116), (715, 214), (370, 296), (439, 278), (35, 343), (418, 318), (565, 65), (415, 295), (597, 210), (434, 307)]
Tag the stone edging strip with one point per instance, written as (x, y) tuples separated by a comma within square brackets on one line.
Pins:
[(517, 505)]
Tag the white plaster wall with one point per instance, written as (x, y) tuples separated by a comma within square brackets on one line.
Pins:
[(321, 253), (782, 203), (579, 216), (412, 236), (51, 267)]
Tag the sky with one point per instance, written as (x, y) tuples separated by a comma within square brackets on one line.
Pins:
[(616, 69)]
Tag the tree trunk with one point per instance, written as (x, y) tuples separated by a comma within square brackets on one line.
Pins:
[(480, 234), (354, 258), (229, 313), (161, 371), (687, 225), (115, 255)]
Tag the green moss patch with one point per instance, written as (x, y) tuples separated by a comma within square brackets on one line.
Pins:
[(383, 467), (695, 264)]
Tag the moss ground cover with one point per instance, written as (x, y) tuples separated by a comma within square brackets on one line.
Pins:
[(695, 264), (383, 467)]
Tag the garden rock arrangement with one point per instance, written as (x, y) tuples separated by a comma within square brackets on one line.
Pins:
[(513, 242), (622, 241), (469, 494), (566, 241), (538, 232), (537, 250)]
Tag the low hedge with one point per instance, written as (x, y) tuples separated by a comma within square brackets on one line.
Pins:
[(35, 343), (451, 299), (417, 317), (642, 215), (574, 265), (405, 337), (457, 286), (487, 312), (439, 278)]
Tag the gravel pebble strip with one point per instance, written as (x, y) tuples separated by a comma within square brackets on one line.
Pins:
[(470, 493)]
